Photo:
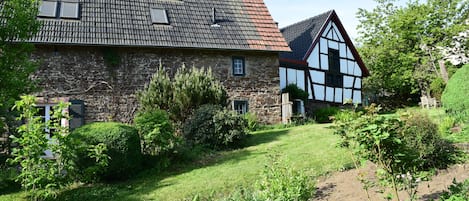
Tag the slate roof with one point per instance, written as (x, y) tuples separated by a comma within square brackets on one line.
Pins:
[(244, 25), (301, 35)]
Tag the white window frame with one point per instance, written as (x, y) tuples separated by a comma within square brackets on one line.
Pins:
[(155, 19), (239, 66), (44, 4), (76, 5)]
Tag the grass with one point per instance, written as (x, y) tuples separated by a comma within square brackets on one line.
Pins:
[(311, 147)]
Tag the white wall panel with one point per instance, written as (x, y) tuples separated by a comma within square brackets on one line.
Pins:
[(341, 38), (338, 95), (350, 67), (324, 62), (327, 29), (330, 94), (347, 94), (291, 76), (319, 92), (283, 77), (323, 44), (349, 54), (343, 66), (358, 83), (313, 59), (357, 71), (357, 96), (329, 35), (317, 76), (300, 79), (348, 81), (343, 50), (310, 91), (334, 45)]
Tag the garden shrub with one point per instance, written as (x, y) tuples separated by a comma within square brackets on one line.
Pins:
[(215, 127), (454, 97), (410, 145), (156, 132), (179, 96), (121, 143), (323, 115), (421, 134), (294, 92), (252, 122), (446, 125), (281, 182), (458, 191), (437, 87)]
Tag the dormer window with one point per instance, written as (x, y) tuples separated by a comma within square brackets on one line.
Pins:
[(159, 16), (69, 10), (48, 9)]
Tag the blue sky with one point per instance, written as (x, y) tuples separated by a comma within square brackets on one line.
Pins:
[(287, 12)]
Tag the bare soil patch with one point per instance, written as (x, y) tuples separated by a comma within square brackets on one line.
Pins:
[(346, 186)]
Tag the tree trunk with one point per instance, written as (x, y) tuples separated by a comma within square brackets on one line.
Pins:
[(443, 71)]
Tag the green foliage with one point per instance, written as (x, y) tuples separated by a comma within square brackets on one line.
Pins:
[(401, 43), (215, 127), (458, 191), (189, 89), (295, 92), (156, 132), (421, 134), (7, 178), (437, 87), (18, 24), (281, 182), (252, 122), (118, 141), (446, 125), (454, 98), (324, 115), (406, 147), (42, 177)]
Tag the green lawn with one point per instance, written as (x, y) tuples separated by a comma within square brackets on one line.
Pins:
[(310, 147)]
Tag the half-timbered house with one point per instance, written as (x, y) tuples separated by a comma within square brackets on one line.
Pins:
[(323, 61)]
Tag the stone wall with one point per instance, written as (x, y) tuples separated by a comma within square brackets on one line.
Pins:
[(108, 90)]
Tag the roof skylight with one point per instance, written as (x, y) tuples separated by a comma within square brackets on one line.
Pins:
[(70, 10), (159, 16), (48, 9)]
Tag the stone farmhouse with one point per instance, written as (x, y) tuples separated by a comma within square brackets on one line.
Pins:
[(323, 62), (97, 53)]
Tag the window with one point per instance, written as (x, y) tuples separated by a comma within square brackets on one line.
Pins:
[(238, 66), (333, 76), (241, 107), (69, 10), (48, 9), (159, 16)]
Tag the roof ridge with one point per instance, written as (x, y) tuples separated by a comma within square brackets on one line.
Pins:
[(308, 19)]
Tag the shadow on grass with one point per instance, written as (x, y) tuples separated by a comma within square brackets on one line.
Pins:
[(151, 179)]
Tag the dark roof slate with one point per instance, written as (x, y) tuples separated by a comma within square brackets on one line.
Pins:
[(244, 25), (302, 34)]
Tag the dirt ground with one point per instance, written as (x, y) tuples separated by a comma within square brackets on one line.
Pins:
[(345, 185)]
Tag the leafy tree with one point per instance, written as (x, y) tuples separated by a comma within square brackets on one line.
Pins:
[(17, 24), (399, 44), (179, 96)]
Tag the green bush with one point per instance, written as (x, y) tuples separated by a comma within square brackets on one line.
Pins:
[(155, 131), (421, 134), (446, 125), (189, 89), (457, 192), (323, 115), (281, 182), (252, 122), (437, 87), (454, 98), (215, 127), (121, 142), (294, 92)]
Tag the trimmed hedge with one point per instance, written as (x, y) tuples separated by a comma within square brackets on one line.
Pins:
[(454, 98), (123, 148)]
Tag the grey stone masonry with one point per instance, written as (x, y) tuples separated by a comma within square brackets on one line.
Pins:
[(108, 91)]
